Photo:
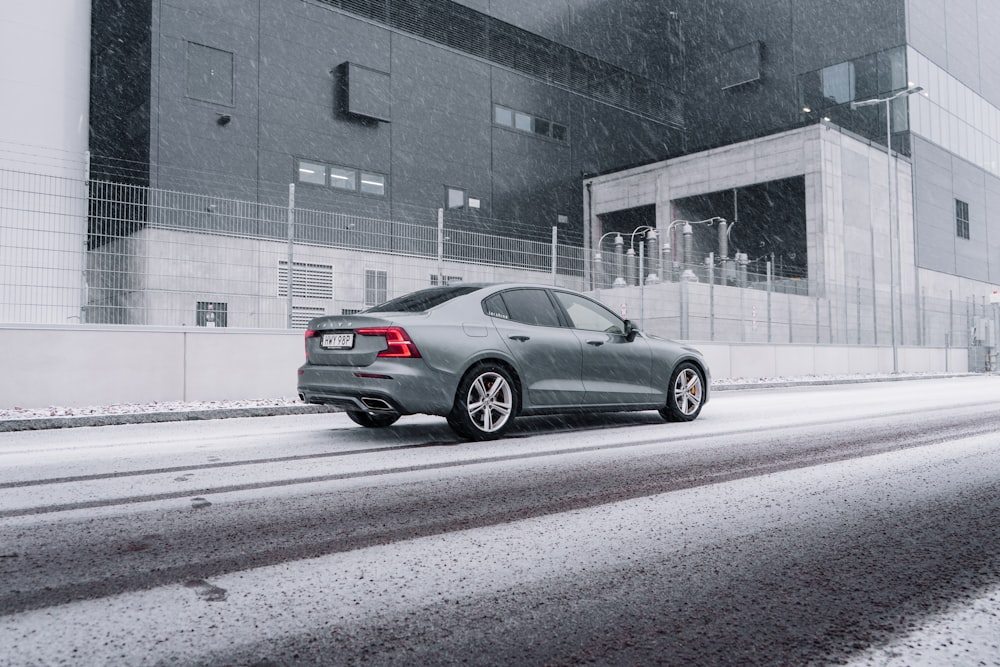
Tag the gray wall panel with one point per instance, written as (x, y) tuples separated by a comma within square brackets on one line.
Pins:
[(992, 231), (939, 179), (962, 34), (989, 51), (969, 185), (926, 29)]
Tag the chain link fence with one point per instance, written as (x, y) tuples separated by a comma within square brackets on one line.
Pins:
[(103, 252)]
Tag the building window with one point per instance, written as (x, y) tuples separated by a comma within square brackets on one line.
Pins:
[(340, 178), (522, 121), (525, 122), (962, 219), (455, 197), (209, 74), (211, 314), (311, 172), (376, 287), (503, 116), (372, 184), (343, 179), (867, 76)]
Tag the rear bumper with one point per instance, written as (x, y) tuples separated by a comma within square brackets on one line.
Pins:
[(402, 388)]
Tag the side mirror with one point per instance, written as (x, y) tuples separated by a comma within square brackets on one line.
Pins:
[(630, 331)]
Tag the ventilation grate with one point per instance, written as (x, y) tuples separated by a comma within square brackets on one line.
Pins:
[(302, 314), (309, 281)]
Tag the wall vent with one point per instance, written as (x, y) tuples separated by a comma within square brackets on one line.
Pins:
[(309, 281)]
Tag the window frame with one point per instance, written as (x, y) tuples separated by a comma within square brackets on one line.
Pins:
[(593, 307), (363, 175), (351, 176), (523, 122), (962, 226), (345, 175), (554, 308), (321, 167), (448, 191)]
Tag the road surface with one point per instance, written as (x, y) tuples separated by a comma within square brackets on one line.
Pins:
[(811, 525)]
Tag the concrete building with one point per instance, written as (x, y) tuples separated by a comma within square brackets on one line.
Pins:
[(516, 115), (925, 226)]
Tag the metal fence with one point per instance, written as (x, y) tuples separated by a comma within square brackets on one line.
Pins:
[(92, 251)]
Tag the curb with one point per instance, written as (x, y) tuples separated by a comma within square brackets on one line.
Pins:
[(156, 417), (45, 423), (819, 382)]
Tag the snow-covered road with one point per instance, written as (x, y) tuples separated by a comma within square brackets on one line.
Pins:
[(788, 526)]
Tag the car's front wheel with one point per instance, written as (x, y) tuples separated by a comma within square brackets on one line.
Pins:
[(485, 403), (373, 420), (685, 394)]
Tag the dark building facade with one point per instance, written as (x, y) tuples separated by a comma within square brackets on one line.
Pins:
[(388, 108), (494, 109)]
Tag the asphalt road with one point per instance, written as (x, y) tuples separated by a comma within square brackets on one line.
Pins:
[(784, 527)]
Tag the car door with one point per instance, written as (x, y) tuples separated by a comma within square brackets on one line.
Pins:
[(615, 370), (548, 354)]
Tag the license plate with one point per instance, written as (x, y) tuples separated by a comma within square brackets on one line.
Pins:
[(337, 341)]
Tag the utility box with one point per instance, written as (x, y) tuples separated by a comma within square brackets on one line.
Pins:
[(983, 346)]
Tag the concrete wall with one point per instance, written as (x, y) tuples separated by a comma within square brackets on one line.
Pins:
[(44, 69), (81, 366), (85, 366)]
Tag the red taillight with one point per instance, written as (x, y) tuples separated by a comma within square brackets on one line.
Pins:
[(309, 334), (397, 340)]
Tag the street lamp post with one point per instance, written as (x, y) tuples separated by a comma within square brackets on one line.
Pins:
[(893, 229)]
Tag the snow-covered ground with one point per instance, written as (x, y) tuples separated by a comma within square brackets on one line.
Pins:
[(93, 415), (966, 634)]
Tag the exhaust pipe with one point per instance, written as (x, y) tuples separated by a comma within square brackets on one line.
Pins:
[(376, 404)]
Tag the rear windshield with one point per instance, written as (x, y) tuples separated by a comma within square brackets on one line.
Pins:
[(424, 299)]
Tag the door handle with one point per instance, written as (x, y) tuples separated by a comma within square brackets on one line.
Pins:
[(595, 343), (520, 339)]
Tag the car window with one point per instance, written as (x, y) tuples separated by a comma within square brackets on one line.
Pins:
[(421, 300), (586, 314), (495, 307), (531, 306)]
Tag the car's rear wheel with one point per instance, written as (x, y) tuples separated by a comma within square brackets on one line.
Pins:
[(373, 420), (685, 395), (485, 403)]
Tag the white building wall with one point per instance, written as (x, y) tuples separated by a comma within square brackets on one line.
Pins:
[(44, 84)]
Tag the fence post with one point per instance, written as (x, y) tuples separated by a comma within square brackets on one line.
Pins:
[(642, 285), (711, 295), (859, 308), (769, 302), (291, 243), (683, 284), (743, 317), (791, 335), (951, 316), (84, 289), (923, 316), (555, 240), (817, 320), (440, 247), (829, 321)]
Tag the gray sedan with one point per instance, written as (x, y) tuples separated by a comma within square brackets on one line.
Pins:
[(482, 354)]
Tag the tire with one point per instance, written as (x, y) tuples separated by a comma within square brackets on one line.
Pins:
[(371, 419), (685, 394), (485, 403)]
